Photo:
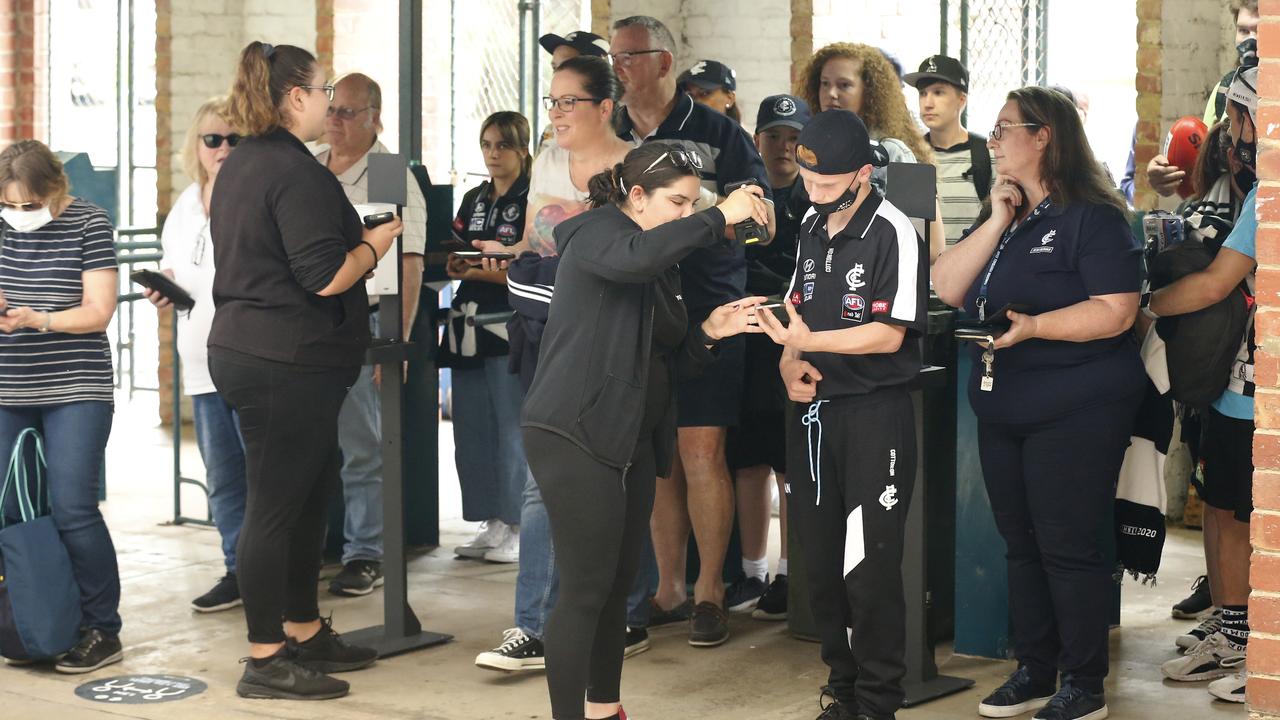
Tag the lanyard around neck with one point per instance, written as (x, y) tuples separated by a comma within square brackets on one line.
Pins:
[(995, 258)]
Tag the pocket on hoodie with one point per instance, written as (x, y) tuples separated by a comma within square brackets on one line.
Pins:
[(600, 419)]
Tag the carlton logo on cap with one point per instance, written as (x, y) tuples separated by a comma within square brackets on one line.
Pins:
[(784, 107), (698, 69), (806, 156)]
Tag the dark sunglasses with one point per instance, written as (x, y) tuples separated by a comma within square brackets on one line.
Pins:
[(213, 141)]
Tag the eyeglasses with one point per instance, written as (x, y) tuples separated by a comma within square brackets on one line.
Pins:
[(626, 58), (567, 103), (346, 113), (328, 89), (998, 130), (679, 158), (213, 141), (22, 206)]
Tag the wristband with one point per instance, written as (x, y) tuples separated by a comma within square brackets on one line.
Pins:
[(373, 250)]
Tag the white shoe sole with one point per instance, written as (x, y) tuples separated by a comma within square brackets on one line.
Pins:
[(745, 607), (1202, 676), (353, 592), (1100, 714), (636, 649), (501, 663), (1008, 711), (82, 670), (501, 558), (471, 553), (218, 608)]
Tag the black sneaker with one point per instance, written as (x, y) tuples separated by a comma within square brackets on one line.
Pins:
[(96, 649), (1073, 702), (1019, 694), (517, 652), (358, 577), (637, 641), (709, 625), (326, 652), (743, 595), (1195, 605), (773, 604), (281, 677), (224, 595), (833, 709), (678, 614)]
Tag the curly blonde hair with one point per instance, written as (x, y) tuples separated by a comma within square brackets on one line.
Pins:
[(884, 109)]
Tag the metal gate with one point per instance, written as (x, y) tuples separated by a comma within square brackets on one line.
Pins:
[(1003, 43)]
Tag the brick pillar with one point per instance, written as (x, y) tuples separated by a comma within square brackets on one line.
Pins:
[(324, 35), (8, 68), (23, 37), (164, 187), (801, 37), (1264, 575), (600, 12), (1150, 84)]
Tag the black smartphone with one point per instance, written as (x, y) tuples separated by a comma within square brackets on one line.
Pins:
[(382, 218), (159, 282), (478, 255), (778, 310)]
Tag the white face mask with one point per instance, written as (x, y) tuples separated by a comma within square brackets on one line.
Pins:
[(26, 220)]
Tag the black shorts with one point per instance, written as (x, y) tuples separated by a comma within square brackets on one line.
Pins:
[(714, 397), (761, 437), (1226, 464)]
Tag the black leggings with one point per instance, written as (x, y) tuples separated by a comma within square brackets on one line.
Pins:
[(598, 527), (289, 423)]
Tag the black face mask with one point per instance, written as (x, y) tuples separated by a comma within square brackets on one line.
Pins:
[(844, 202), (1245, 179)]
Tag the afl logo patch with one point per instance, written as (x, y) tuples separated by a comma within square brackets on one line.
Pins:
[(852, 307), (510, 213), (784, 107), (506, 232)]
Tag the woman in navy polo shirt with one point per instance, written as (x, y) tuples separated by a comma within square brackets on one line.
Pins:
[(1056, 403)]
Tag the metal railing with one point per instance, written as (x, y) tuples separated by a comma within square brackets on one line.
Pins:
[(131, 253)]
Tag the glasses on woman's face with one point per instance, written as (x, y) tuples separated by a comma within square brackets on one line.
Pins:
[(626, 58), (346, 113), (566, 103), (328, 89), (679, 158), (213, 141), (998, 131), (22, 206)]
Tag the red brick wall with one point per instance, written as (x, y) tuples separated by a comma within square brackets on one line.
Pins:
[(23, 69), (1264, 602), (1149, 85)]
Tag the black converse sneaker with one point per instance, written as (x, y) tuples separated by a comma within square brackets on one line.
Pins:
[(773, 604), (224, 595), (1073, 702), (742, 596), (326, 652), (637, 641), (96, 649), (358, 577), (1019, 694), (517, 652), (281, 677), (1197, 604)]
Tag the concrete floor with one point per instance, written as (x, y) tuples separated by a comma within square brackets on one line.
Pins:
[(761, 673)]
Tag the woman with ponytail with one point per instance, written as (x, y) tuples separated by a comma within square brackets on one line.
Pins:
[(599, 419), (288, 338)]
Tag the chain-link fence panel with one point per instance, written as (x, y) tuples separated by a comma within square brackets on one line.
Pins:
[(1004, 44), (486, 74)]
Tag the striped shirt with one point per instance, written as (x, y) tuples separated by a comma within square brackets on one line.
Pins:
[(956, 193), (42, 270)]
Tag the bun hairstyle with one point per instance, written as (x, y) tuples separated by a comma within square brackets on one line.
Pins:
[(645, 168), (598, 77), (264, 76)]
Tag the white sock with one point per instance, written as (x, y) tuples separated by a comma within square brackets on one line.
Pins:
[(758, 569), (782, 566)]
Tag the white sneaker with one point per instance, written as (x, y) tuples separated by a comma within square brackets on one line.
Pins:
[(508, 550), (1197, 635), (490, 533), (1212, 658), (1229, 688)]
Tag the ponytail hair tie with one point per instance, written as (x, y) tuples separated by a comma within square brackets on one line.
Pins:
[(268, 50), (622, 185)]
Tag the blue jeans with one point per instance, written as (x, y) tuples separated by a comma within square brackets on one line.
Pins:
[(222, 449), (75, 439), (537, 583), (360, 436), (488, 449)]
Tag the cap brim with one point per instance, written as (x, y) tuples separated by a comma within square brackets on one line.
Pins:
[(551, 41), (914, 79), (705, 84), (784, 122)]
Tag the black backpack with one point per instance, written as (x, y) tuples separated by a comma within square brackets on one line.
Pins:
[(1200, 347), (980, 170)]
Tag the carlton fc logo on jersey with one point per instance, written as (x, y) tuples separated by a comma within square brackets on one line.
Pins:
[(852, 307), (511, 212), (854, 277), (889, 497)]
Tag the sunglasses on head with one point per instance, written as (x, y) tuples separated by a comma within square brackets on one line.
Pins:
[(213, 141), (679, 158)]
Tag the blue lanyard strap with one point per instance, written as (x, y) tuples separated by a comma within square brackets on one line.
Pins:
[(981, 300)]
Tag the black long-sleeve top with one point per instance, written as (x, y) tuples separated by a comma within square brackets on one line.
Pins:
[(281, 229)]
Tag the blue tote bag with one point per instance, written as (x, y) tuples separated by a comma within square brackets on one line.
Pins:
[(39, 599)]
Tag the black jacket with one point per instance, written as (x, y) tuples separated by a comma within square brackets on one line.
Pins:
[(281, 228), (594, 365)]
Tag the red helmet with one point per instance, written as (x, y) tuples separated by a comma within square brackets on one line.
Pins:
[(1182, 146)]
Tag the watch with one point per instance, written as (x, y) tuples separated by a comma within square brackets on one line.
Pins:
[(48, 320)]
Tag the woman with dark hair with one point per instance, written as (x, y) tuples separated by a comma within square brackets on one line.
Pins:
[(58, 280), (288, 338), (486, 396), (599, 419), (1055, 264)]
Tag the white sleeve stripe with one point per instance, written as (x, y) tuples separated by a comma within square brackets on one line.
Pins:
[(529, 296), (905, 302), (534, 291)]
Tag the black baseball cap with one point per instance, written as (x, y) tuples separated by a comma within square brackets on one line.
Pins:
[(939, 67), (709, 74), (584, 42), (835, 142), (787, 110)]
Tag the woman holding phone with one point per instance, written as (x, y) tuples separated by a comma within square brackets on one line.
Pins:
[(599, 419), (1065, 375)]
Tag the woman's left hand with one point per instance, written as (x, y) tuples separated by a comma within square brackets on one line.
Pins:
[(1023, 327), (732, 318), (20, 317)]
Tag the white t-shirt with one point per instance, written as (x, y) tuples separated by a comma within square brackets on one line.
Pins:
[(188, 252), (552, 198)]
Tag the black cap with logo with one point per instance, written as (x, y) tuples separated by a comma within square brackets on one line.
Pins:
[(709, 74), (584, 42), (939, 68), (835, 142), (786, 110)]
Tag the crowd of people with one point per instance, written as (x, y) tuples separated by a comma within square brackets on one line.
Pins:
[(660, 376)]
